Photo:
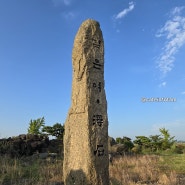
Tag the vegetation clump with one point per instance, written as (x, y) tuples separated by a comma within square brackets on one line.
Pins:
[(38, 127)]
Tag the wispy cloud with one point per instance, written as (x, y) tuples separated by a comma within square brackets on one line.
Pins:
[(183, 92), (69, 15), (177, 10), (174, 33), (175, 127), (124, 12), (171, 125), (163, 84), (59, 2)]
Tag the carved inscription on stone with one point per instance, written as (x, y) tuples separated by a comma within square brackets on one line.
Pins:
[(97, 86), (99, 150), (97, 119), (96, 64)]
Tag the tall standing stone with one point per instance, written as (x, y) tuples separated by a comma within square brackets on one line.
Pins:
[(86, 128)]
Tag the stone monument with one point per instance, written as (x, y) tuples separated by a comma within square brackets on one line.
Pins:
[(86, 128)]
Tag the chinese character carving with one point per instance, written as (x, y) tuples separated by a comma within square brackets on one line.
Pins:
[(97, 86), (99, 150), (96, 64), (97, 119), (96, 43), (94, 84)]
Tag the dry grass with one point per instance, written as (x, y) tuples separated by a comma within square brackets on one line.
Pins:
[(28, 171), (130, 170), (126, 170)]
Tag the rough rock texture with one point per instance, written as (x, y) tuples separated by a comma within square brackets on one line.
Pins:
[(26, 145), (111, 141), (86, 129), (23, 145)]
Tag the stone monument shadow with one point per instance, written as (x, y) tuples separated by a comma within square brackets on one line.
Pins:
[(76, 177)]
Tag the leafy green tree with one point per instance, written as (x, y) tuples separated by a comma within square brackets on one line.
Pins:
[(56, 130), (156, 142), (126, 141), (167, 140), (143, 141), (118, 140), (36, 125)]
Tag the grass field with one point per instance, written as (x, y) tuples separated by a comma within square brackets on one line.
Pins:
[(175, 162), (29, 171), (148, 169), (126, 170)]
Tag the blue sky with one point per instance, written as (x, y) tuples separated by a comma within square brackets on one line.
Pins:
[(144, 59)]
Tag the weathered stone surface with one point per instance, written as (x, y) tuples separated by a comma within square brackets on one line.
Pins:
[(86, 159), (118, 149), (26, 145), (111, 141)]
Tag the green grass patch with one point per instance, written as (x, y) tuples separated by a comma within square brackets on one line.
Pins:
[(174, 162)]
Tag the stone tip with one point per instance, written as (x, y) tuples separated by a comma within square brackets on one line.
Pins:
[(91, 22)]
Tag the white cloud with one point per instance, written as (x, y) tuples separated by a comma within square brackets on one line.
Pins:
[(163, 84), (183, 92), (174, 33), (124, 12), (59, 2), (67, 2), (177, 10), (69, 15)]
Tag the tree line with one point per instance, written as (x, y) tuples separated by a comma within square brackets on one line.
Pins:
[(142, 144), (153, 143)]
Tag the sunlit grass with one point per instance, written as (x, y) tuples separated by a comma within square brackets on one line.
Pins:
[(143, 169), (29, 171), (125, 170), (175, 162)]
